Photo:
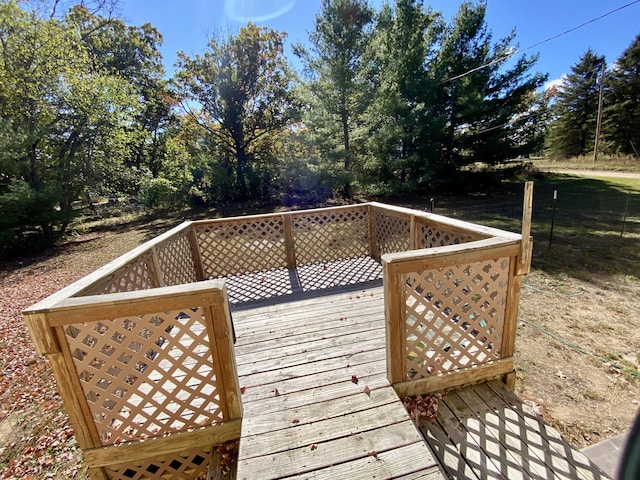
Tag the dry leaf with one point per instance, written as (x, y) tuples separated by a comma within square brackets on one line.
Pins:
[(314, 447), (276, 392), (367, 390), (354, 379), (242, 390), (295, 420)]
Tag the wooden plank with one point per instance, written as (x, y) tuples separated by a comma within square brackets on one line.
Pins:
[(464, 376), (446, 452), (74, 400), (413, 461), (495, 431), (115, 305), (532, 443), (463, 253), (156, 269), (374, 248), (394, 324), (289, 241), (315, 456), (579, 466), (467, 444), (446, 223), (324, 430), (163, 445), (297, 358), (526, 242), (302, 392), (342, 365), (309, 414), (196, 252), (510, 327), (42, 334), (273, 346), (218, 319), (87, 282)]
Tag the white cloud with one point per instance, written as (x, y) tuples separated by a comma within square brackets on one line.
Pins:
[(558, 82)]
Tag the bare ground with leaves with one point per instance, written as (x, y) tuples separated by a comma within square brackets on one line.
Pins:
[(577, 349)]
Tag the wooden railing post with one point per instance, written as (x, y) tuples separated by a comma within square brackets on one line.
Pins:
[(289, 240), (374, 247), (195, 251), (394, 327)]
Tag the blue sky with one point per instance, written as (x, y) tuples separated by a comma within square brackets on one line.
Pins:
[(186, 25)]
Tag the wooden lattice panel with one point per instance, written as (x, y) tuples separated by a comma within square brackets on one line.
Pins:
[(191, 465), (454, 316), (137, 275), (431, 236), (146, 375), (176, 260), (242, 246), (393, 233), (331, 235)]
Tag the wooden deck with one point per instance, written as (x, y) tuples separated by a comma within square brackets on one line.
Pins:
[(317, 404), (316, 398)]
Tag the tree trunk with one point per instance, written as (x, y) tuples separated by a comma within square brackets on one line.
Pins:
[(346, 192)]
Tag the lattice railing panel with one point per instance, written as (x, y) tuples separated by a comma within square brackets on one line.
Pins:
[(393, 233), (138, 275), (176, 260), (329, 236), (430, 236), (454, 316), (191, 465), (146, 375), (252, 245)]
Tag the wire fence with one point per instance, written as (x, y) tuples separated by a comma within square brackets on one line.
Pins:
[(617, 212)]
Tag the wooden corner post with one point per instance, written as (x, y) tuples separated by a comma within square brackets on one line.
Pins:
[(394, 327)]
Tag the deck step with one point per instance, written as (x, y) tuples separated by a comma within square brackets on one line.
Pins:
[(486, 428)]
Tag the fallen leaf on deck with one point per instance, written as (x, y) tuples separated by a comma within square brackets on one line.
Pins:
[(367, 390), (276, 392), (354, 379), (314, 447), (242, 389), (295, 420)]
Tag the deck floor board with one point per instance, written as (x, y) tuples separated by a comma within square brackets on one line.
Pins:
[(335, 414), (317, 404)]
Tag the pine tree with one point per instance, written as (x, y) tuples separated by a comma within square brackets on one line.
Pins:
[(622, 114), (338, 89), (489, 108), (574, 114)]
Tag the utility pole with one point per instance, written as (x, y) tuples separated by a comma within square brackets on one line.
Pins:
[(599, 121)]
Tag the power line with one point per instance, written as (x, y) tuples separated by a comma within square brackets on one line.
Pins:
[(548, 39)]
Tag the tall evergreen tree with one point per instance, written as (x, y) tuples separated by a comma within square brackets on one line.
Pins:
[(339, 90), (622, 114), (488, 106), (402, 119), (574, 114)]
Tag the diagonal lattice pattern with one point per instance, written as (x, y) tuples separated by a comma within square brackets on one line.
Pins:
[(329, 236), (137, 275), (318, 276), (176, 260), (146, 375), (393, 233), (193, 464), (250, 287), (454, 316), (242, 246), (431, 236)]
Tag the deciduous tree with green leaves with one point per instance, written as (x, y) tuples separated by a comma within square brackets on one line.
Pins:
[(241, 90)]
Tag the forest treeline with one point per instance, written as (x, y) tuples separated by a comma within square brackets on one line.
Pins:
[(395, 100)]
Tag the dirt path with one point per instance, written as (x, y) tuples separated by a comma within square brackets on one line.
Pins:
[(595, 173)]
